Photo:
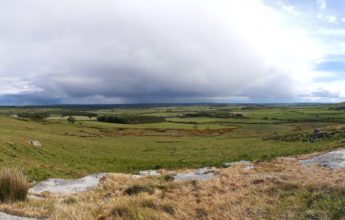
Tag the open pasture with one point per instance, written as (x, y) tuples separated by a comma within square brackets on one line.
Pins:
[(89, 146)]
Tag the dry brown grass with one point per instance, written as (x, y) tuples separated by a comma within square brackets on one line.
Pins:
[(14, 185), (236, 193)]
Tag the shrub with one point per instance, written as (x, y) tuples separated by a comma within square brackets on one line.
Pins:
[(14, 185), (71, 119)]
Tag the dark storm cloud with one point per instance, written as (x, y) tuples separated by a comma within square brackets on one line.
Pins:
[(131, 51)]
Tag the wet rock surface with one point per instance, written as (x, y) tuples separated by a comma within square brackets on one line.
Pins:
[(333, 160), (62, 186)]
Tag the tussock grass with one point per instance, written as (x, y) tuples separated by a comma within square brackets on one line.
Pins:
[(136, 189), (14, 185)]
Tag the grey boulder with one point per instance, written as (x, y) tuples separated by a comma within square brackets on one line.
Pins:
[(4, 216), (63, 187), (333, 160), (199, 175)]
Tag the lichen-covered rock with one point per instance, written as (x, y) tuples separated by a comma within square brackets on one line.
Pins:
[(149, 173), (4, 216), (333, 160), (226, 165), (200, 174), (35, 143), (63, 187)]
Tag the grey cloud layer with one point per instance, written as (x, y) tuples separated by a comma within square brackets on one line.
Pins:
[(130, 51)]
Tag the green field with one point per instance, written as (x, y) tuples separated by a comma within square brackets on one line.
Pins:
[(88, 146)]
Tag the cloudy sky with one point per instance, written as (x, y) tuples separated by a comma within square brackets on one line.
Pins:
[(134, 51)]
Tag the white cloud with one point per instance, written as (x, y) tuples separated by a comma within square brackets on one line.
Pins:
[(331, 19), (328, 18), (289, 9), (322, 4)]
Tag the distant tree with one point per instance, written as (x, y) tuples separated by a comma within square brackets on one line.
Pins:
[(71, 119), (78, 113), (130, 119)]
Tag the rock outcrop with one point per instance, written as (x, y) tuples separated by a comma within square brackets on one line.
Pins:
[(4, 216), (35, 143), (149, 173), (63, 187), (333, 160), (200, 174)]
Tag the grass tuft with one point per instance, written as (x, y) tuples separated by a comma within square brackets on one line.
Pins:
[(14, 185), (136, 189)]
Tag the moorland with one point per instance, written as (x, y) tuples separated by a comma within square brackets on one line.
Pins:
[(77, 140)]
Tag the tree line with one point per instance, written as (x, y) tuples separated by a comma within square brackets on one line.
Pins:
[(130, 119)]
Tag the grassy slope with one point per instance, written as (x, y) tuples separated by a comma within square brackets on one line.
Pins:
[(88, 147)]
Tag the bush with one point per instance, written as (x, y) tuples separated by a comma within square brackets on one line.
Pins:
[(14, 185), (71, 119)]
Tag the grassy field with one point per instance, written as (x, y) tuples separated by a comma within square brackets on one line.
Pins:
[(88, 146)]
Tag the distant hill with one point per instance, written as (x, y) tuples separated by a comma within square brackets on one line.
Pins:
[(338, 106)]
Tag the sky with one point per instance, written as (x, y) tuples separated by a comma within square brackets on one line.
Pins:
[(163, 51)]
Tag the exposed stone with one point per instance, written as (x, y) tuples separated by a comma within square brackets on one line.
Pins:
[(4, 216), (200, 174), (226, 165), (249, 167), (35, 143), (63, 187), (333, 160), (149, 173), (320, 134)]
